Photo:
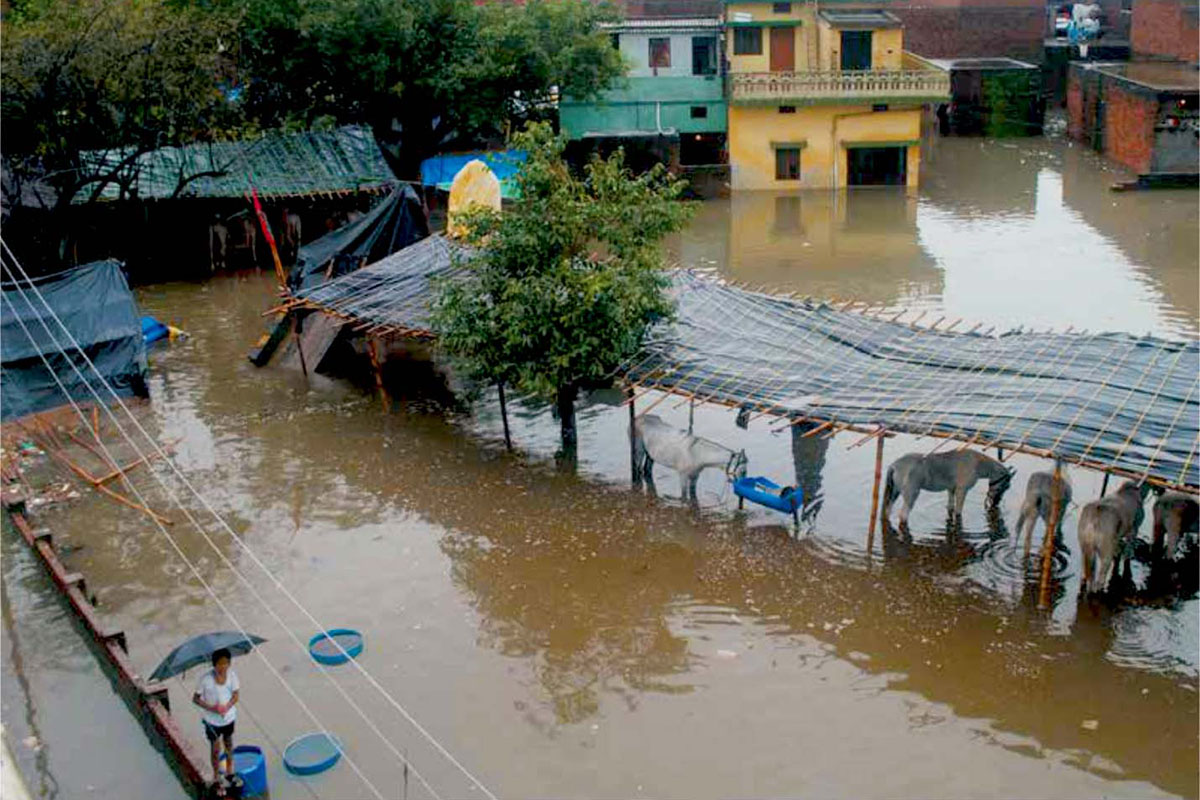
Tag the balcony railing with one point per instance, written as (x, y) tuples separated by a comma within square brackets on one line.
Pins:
[(825, 87)]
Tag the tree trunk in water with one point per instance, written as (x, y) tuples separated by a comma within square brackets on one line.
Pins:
[(565, 403)]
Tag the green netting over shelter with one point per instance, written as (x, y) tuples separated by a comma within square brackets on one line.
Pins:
[(310, 163)]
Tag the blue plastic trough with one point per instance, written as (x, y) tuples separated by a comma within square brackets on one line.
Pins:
[(766, 492), (324, 647), (153, 330), (311, 753)]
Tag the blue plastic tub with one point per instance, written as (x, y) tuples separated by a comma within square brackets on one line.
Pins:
[(765, 492), (250, 764), (324, 647), (153, 330), (311, 753)]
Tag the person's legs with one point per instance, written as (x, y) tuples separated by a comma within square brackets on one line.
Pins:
[(227, 735), (214, 746)]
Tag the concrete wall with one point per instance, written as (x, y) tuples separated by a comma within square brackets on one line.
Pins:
[(644, 103), (1166, 29), (824, 130), (635, 47), (764, 13)]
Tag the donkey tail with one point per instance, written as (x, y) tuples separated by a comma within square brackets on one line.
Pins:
[(889, 493)]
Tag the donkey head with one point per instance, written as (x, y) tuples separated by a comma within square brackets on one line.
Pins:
[(999, 482), (736, 468)]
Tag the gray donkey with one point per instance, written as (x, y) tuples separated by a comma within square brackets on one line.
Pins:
[(1175, 514), (954, 472), (1039, 502), (1107, 528)]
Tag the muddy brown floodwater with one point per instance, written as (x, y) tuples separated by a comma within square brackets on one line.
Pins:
[(569, 636)]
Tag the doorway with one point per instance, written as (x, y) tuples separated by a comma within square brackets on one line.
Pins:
[(877, 166), (704, 55), (856, 50), (783, 49)]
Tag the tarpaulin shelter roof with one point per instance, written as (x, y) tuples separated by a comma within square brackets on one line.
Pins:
[(1129, 405), (97, 307), (346, 159), (391, 225)]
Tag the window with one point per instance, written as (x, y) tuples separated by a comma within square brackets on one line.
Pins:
[(699, 112), (787, 109), (704, 55), (787, 164), (660, 53), (747, 41), (879, 107), (781, 8), (616, 41)]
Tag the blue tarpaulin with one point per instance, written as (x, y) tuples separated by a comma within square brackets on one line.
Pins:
[(96, 306), (440, 170)]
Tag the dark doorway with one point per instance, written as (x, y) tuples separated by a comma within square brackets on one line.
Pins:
[(877, 166), (783, 49), (856, 49), (704, 55)]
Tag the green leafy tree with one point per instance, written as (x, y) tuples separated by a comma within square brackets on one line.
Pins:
[(115, 78), (423, 73), (563, 284)]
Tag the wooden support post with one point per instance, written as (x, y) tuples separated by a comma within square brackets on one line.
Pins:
[(1104, 485), (633, 465), (691, 414), (378, 370), (299, 348), (1051, 529), (875, 492), (504, 416)]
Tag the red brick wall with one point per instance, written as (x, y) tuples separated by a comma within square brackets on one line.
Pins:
[(1076, 121), (952, 29), (1129, 127), (1166, 28)]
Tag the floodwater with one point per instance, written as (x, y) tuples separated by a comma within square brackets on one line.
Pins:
[(565, 635)]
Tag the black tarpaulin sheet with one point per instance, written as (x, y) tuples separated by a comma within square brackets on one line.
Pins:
[(394, 223), (97, 307)]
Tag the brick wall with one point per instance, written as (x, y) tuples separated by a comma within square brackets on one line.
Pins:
[(1166, 29), (934, 28), (1129, 127), (1077, 121)]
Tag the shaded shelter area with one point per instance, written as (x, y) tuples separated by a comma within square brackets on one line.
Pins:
[(95, 304), (1113, 402)]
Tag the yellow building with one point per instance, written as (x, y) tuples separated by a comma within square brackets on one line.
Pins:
[(823, 98)]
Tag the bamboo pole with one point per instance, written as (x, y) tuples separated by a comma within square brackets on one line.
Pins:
[(378, 370), (875, 490), (1051, 530), (633, 465), (504, 416)]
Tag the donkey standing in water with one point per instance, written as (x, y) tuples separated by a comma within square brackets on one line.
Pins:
[(954, 472), (1106, 529), (1039, 502), (1175, 514), (655, 440)]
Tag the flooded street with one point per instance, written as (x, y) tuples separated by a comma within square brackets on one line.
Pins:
[(565, 635)]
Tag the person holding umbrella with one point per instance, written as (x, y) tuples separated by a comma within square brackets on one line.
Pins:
[(217, 696)]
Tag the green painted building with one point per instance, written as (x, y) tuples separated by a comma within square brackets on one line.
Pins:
[(674, 89)]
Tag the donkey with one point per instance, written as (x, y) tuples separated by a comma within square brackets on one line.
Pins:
[(1039, 502), (655, 440), (1175, 514), (954, 472), (1106, 529)]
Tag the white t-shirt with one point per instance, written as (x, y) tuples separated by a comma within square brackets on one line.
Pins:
[(213, 693)]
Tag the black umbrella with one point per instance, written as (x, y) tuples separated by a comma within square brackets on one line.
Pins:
[(199, 649)]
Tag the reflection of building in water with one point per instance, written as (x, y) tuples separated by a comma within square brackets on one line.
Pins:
[(854, 244), (808, 454)]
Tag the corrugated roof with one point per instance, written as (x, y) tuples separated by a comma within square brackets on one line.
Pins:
[(279, 165), (682, 23)]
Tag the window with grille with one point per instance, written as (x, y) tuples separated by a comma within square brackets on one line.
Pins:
[(747, 41), (787, 164)]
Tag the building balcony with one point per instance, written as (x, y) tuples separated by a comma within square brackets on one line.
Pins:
[(866, 86)]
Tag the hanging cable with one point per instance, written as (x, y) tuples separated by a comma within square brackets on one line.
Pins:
[(191, 566)]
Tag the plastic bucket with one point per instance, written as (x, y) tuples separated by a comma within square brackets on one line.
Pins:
[(251, 766)]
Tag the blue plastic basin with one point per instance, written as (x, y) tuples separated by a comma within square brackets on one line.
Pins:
[(324, 647), (311, 753)]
